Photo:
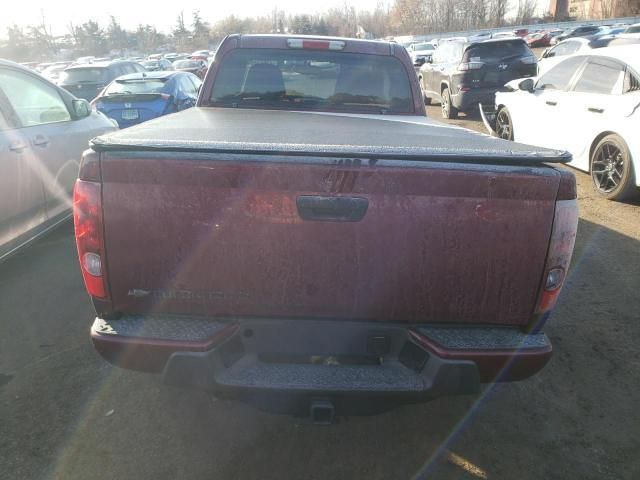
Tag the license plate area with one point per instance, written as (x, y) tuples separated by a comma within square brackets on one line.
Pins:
[(130, 114)]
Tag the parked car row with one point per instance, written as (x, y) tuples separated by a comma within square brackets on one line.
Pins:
[(555, 54), (589, 82), (586, 104)]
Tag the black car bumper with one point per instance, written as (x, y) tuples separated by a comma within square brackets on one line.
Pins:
[(288, 364), (467, 101)]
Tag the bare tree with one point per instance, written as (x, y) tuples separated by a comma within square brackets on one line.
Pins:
[(607, 8), (527, 9), (498, 11), (409, 16)]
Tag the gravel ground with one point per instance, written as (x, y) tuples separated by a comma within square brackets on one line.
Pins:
[(66, 414)]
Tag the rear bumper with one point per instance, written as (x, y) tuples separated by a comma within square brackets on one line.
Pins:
[(320, 358), (466, 101)]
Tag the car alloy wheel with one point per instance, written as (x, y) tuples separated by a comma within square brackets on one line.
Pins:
[(448, 110), (504, 126), (445, 104), (611, 169)]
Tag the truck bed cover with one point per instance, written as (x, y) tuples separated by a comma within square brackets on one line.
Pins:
[(249, 131)]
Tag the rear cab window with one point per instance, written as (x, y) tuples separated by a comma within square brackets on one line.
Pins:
[(84, 75), (312, 80), (135, 86)]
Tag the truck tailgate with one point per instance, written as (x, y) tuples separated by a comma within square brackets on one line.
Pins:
[(240, 235)]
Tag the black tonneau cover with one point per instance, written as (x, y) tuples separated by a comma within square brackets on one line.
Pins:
[(227, 130)]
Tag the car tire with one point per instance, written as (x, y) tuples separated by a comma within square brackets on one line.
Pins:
[(611, 169), (504, 124), (427, 100), (448, 110)]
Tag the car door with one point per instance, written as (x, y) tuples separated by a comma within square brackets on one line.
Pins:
[(548, 125), (22, 201), (187, 92), (594, 103), (433, 73), (55, 140)]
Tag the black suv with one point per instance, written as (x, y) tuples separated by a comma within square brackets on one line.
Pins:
[(463, 74), (88, 79)]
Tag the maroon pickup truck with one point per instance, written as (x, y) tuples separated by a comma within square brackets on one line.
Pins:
[(307, 240)]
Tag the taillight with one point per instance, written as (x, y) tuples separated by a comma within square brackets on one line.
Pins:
[(463, 67), (87, 220), (315, 44), (563, 237)]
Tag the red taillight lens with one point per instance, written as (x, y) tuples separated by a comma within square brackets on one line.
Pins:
[(563, 237), (87, 220), (463, 67)]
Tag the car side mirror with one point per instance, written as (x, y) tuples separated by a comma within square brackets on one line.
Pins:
[(526, 85), (81, 108)]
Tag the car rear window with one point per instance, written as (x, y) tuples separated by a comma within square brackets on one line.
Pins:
[(424, 46), (125, 87), (497, 51), (187, 64), (312, 80), (84, 75)]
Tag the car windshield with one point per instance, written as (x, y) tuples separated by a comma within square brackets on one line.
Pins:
[(53, 68), (497, 51), (135, 86), (633, 29), (84, 75), (312, 80), (423, 46), (186, 64)]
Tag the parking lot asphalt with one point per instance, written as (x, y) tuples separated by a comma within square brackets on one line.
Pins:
[(66, 414)]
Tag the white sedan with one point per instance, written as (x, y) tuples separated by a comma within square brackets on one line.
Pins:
[(554, 55), (587, 104)]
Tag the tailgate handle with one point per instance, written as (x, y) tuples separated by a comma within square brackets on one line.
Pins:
[(596, 110), (332, 209), (550, 103)]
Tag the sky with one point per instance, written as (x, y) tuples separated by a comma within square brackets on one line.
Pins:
[(59, 13)]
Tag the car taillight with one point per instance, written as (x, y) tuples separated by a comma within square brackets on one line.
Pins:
[(529, 60), (470, 66), (563, 237), (87, 220), (316, 44)]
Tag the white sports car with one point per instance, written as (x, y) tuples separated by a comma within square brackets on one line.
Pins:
[(587, 104)]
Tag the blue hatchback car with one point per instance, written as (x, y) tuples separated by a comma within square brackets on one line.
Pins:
[(138, 97)]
